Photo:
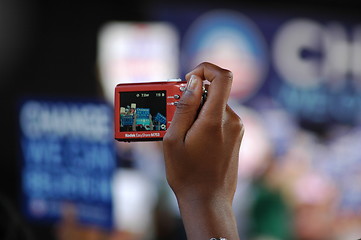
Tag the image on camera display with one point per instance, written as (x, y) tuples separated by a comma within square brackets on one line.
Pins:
[(143, 111)]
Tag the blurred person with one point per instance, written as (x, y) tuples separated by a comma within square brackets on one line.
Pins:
[(315, 207), (69, 227), (312, 195), (270, 214), (201, 150), (134, 197), (261, 208)]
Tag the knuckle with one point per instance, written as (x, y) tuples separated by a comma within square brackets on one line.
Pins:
[(169, 140), (226, 74), (222, 72), (234, 122), (212, 71), (204, 65), (236, 125)]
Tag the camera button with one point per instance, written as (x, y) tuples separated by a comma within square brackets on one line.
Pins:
[(182, 88), (176, 96), (175, 103)]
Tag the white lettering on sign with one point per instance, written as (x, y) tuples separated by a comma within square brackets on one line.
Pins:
[(57, 120), (307, 54)]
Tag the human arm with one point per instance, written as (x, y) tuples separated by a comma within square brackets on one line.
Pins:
[(201, 155)]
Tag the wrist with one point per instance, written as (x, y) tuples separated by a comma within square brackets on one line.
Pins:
[(207, 218), (203, 200), (204, 193)]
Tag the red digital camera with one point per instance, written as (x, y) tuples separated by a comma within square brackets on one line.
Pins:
[(144, 111)]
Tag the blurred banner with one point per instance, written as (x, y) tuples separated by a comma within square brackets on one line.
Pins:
[(130, 52), (310, 65), (68, 163)]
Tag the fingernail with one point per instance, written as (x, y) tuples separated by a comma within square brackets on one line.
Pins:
[(192, 83)]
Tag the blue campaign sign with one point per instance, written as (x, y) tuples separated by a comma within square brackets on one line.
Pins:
[(127, 120), (68, 157), (143, 112), (160, 118)]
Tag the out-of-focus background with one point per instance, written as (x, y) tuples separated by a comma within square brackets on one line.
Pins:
[(297, 87)]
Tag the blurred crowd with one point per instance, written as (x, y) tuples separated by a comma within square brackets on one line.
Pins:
[(294, 183), (297, 180)]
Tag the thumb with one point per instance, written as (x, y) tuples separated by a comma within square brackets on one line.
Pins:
[(187, 109)]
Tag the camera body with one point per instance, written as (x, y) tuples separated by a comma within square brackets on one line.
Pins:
[(144, 111)]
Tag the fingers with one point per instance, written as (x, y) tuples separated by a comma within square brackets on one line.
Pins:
[(219, 90), (214, 107), (187, 109)]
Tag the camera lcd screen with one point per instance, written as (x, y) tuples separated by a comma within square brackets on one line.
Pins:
[(143, 111)]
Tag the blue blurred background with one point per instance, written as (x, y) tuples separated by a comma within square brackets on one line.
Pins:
[(297, 88)]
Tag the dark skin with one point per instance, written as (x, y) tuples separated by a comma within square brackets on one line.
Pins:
[(201, 150)]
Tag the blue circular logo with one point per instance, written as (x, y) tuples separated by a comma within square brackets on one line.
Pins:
[(231, 40)]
